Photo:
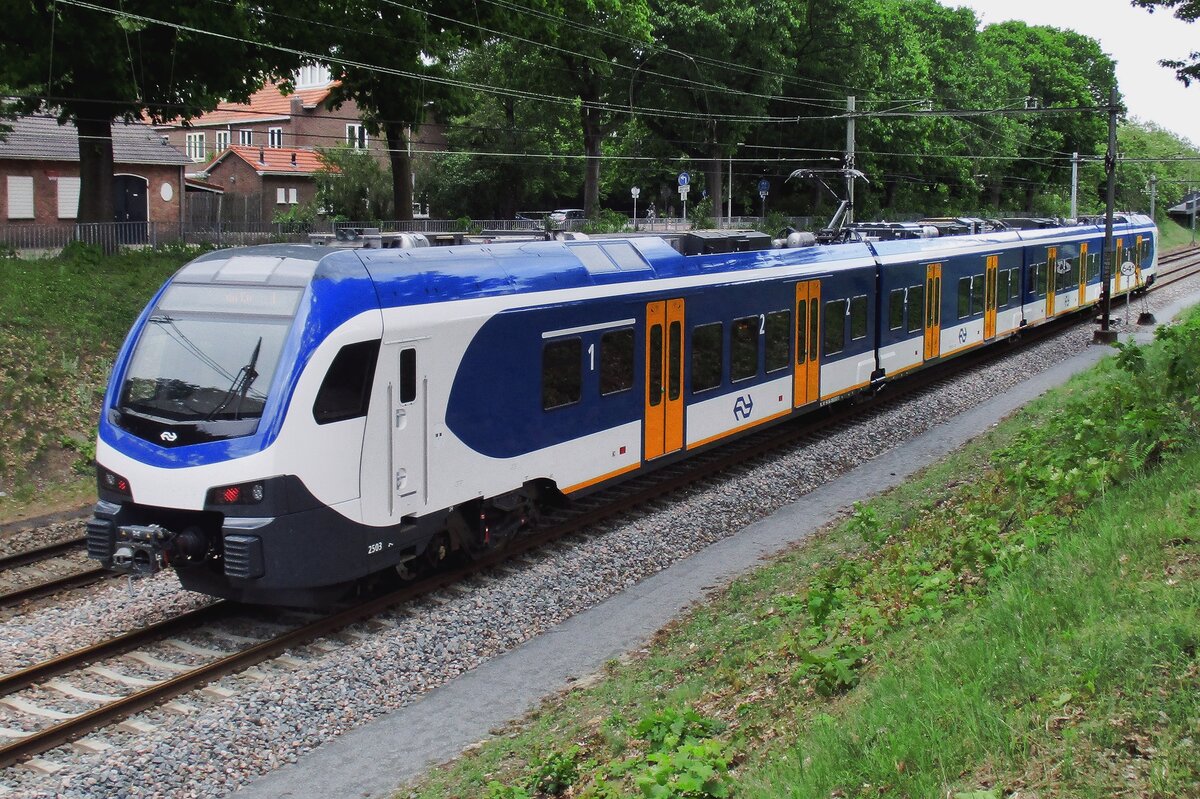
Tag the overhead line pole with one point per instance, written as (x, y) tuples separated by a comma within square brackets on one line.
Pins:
[(850, 107), (1104, 335)]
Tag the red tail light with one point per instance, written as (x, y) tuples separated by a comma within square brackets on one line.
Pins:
[(240, 494)]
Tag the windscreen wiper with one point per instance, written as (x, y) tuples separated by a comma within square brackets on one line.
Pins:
[(242, 381)]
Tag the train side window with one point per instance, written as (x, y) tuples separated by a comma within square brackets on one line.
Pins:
[(896, 309), (706, 357), (345, 392), (1094, 266), (1001, 288), (743, 348), (562, 373), (1042, 280), (408, 375), (616, 361), (1014, 284), (977, 284), (779, 330), (858, 317), (964, 297), (835, 327), (916, 307)]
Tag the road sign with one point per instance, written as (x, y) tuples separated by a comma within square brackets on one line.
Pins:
[(1127, 268), (764, 186), (683, 190), (635, 191), (684, 179)]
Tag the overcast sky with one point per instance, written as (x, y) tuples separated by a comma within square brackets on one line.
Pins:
[(1135, 38)]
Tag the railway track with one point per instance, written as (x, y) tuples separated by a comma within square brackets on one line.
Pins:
[(45, 570), (1176, 266), (166, 666)]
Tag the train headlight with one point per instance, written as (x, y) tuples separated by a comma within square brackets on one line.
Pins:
[(238, 494), (108, 480)]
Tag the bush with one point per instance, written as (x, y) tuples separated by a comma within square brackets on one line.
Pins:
[(608, 221)]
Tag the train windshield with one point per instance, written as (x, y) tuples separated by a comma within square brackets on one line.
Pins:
[(209, 353)]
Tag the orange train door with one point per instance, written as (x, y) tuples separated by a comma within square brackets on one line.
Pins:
[(1083, 273), (664, 378), (989, 296), (933, 311), (1051, 279), (1115, 269), (807, 381)]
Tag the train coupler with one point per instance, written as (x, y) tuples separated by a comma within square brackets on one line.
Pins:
[(145, 549)]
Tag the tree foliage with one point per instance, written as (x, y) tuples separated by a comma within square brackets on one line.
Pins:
[(353, 185), (1188, 11)]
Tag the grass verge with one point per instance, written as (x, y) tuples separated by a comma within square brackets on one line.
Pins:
[(1022, 619), (62, 320)]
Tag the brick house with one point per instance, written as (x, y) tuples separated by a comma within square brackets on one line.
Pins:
[(280, 125), (39, 174), (272, 120), (269, 179)]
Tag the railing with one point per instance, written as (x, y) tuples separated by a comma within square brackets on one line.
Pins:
[(34, 238)]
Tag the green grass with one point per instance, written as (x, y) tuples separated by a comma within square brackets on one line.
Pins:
[(1174, 235), (1023, 617), (62, 321)]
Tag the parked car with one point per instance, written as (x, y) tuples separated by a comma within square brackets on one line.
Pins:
[(563, 215)]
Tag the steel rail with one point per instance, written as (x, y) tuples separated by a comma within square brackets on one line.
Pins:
[(92, 574), (46, 552)]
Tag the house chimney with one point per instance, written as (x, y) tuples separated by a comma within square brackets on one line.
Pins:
[(261, 156), (296, 105)]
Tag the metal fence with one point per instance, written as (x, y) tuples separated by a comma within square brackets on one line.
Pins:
[(39, 238)]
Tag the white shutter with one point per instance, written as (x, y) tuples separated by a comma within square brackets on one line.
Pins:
[(20, 197), (292, 196), (68, 198), (281, 195)]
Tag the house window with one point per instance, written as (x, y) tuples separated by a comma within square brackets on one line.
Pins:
[(68, 198), (275, 138), (281, 196), (356, 136), (246, 137), (195, 146), (20, 197), (292, 197), (311, 76), (222, 137)]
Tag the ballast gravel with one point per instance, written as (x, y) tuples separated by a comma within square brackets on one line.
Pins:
[(279, 712)]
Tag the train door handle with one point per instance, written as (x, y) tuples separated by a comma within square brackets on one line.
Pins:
[(401, 418)]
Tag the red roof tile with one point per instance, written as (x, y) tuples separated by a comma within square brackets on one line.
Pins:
[(280, 160), (266, 103)]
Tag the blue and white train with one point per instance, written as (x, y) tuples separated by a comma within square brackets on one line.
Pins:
[(284, 422)]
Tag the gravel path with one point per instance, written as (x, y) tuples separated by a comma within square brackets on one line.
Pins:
[(280, 712)]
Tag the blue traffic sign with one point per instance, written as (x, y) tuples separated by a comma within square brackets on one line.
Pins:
[(684, 178), (764, 185)]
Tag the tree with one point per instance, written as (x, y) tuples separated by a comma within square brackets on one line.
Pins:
[(398, 69), (1188, 11), (132, 59), (689, 68), (593, 50), (353, 185)]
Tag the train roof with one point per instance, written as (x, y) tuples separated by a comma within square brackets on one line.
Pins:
[(440, 274)]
